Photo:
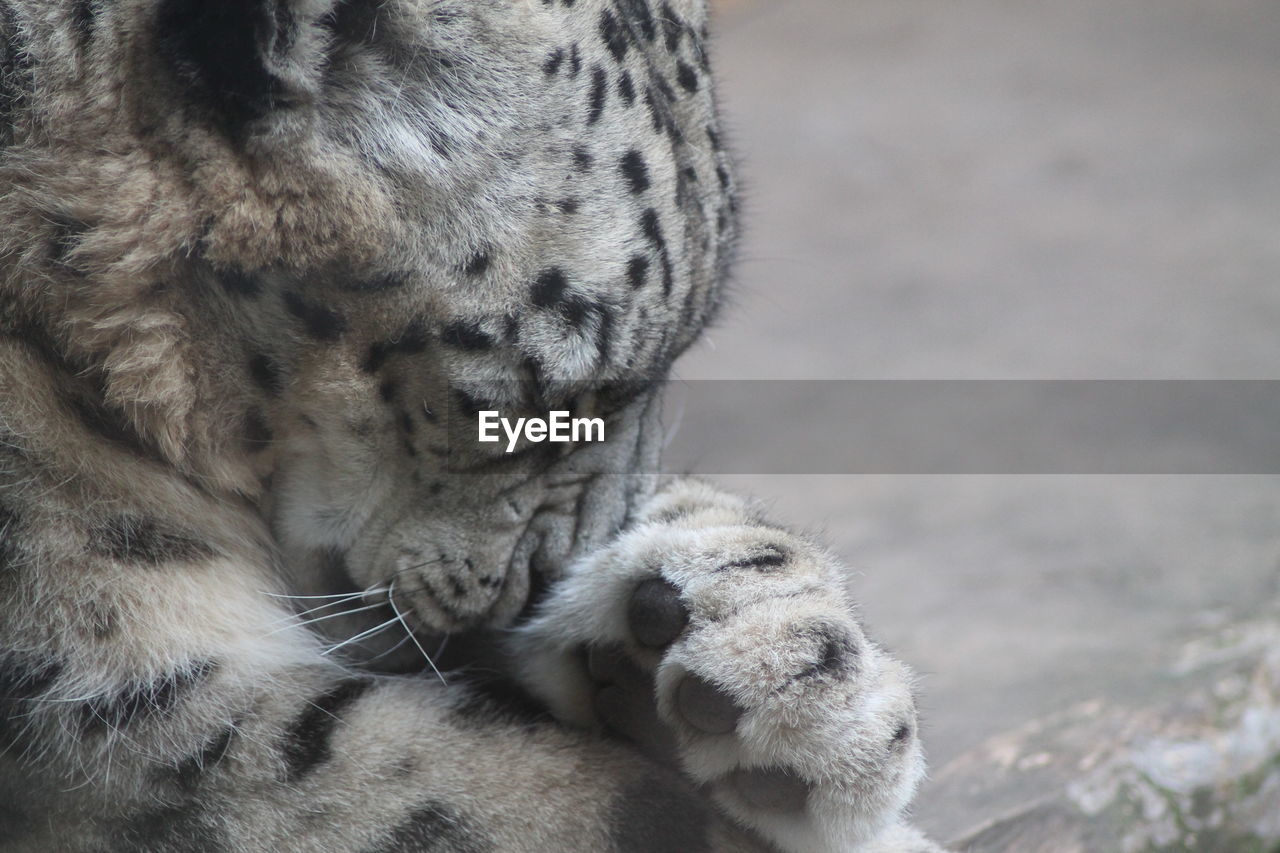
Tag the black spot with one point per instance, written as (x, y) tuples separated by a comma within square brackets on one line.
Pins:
[(319, 322), (901, 735), (582, 159), (635, 171), (67, 234), (575, 61), (770, 557), (614, 36), (652, 228), (147, 541), (491, 697), (511, 327), (672, 27), (9, 523), (388, 390), (553, 61), (722, 175), (412, 341), (568, 206), (687, 77), (837, 652), (700, 50), (664, 88), (355, 21), (24, 677), (599, 91), (468, 404), (637, 270), (626, 88), (651, 103), (575, 309), (257, 434), (385, 281), (170, 829), (438, 140), (466, 336), (15, 72), (638, 12), (478, 263), (434, 828), (109, 423), (549, 288), (307, 739), (714, 138), (658, 815), (192, 769), (84, 14), (266, 374), (223, 53), (142, 700), (239, 283)]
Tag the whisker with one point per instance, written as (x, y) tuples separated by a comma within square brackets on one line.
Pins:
[(404, 640), (338, 603), (307, 622), (375, 629), (399, 572), (370, 591), (339, 599), (391, 599)]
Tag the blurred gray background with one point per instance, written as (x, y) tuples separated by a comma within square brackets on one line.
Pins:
[(1005, 189)]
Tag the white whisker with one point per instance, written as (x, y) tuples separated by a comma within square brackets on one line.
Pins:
[(403, 640), (370, 591), (290, 617), (391, 598), (307, 622), (375, 629)]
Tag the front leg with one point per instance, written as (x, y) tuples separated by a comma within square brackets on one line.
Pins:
[(730, 646)]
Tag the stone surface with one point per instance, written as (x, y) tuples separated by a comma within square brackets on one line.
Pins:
[(1195, 766)]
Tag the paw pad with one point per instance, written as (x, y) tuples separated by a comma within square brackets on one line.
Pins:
[(771, 790), (706, 707), (609, 664), (655, 614)]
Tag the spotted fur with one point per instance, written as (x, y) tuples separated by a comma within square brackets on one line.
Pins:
[(262, 262)]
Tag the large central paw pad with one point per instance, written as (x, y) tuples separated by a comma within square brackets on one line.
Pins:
[(730, 648)]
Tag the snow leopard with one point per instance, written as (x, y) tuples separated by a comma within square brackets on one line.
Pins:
[(262, 263)]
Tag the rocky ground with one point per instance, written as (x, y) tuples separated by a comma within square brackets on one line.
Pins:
[(1031, 190)]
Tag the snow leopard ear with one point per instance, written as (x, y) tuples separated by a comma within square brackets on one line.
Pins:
[(243, 59)]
